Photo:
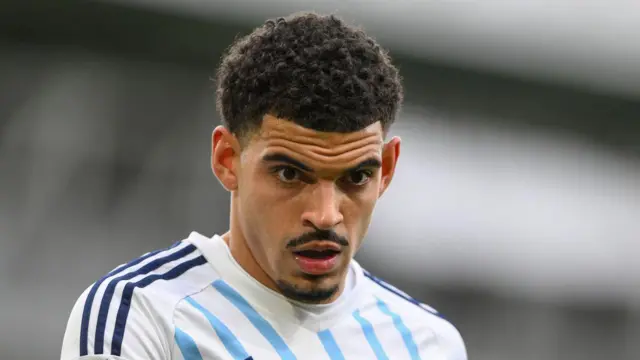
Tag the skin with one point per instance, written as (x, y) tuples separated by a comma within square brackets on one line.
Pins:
[(287, 181)]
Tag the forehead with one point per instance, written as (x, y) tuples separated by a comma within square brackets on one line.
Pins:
[(318, 149)]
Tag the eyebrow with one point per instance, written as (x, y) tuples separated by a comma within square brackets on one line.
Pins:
[(369, 163), (279, 157)]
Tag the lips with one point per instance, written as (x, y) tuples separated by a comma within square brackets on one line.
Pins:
[(319, 246), (317, 258)]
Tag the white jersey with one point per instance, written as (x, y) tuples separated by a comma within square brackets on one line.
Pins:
[(193, 301)]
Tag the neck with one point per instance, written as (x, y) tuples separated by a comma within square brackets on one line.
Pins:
[(242, 254)]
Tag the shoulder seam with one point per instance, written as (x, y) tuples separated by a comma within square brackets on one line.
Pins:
[(109, 278), (392, 289), (122, 315), (401, 294), (146, 275)]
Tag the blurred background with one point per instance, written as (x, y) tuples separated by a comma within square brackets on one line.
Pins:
[(515, 210)]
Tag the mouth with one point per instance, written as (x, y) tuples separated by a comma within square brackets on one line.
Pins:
[(317, 254), (318, 258)]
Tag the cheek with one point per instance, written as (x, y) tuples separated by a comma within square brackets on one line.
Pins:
[(363, 225), (358, 212), (268, 210)]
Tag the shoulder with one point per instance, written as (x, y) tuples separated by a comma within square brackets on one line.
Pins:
[(128, 312), (421, 316)]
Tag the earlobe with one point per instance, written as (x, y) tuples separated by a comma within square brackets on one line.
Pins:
[(223, 153), (390, 155)]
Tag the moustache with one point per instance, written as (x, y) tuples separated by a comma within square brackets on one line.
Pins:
[(324, 235)]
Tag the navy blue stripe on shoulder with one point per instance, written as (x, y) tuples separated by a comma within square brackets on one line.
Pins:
[(127, 295), (86, 311), (109, 291), (392, 289)]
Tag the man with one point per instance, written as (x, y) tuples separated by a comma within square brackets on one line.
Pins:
[(306, 103)]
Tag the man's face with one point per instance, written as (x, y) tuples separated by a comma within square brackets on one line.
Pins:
[(304, 201)]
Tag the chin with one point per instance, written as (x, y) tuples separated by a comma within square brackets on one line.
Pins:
[(309, 293)]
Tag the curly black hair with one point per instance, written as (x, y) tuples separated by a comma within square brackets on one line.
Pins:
[(311, 69)]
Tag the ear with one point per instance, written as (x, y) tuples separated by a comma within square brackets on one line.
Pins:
[(390, 154), (225, 150)]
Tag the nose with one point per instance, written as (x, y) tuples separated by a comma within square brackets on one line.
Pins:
[(323, 209)]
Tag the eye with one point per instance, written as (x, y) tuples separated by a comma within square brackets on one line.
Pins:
[(287, 174), (359, 177)]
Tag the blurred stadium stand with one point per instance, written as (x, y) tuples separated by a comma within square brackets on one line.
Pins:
[(515, 212)]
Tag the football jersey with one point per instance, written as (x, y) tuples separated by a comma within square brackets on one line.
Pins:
[(193, 301)]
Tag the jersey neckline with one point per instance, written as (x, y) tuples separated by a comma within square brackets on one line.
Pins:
[(275, 305)]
